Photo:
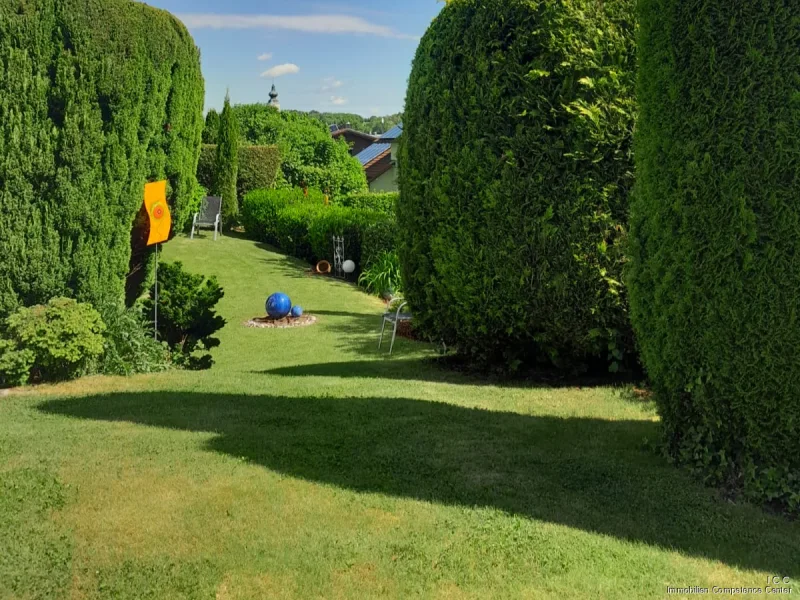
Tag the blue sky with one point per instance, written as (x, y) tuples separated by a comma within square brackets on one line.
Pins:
[(337, 56)]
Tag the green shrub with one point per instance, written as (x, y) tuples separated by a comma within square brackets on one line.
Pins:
[(186, 315), (15, 364), (382, 275), (350, 223), (129, 345), (211, 129), (63, 337), (715, 227), (89, 114), (383, 201), (379, 237), (515, 169), (207, 166), (260, 209), (226, 172), (292, 226), (258, 168), (310, 157)]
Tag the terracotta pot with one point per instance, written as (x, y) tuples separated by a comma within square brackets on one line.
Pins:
[(323, 267)]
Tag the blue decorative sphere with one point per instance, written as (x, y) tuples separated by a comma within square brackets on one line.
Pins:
[(297, 311), (278, 305)]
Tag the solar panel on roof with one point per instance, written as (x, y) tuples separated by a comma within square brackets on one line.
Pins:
[(372, 152), (393, 133)]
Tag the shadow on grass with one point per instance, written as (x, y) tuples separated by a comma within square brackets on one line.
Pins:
[(439, 370), (588, 474)]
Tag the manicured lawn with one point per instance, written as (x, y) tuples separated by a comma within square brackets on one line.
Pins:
[(306, 465)]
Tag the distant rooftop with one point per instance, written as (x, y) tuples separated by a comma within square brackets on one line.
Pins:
[(394, 133)]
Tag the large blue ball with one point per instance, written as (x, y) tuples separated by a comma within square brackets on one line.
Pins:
[(297, 311), (278, 305)]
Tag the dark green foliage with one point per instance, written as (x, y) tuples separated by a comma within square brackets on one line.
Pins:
[(186, 315), (385, 202), (715, 222), (258, 168), (96, 98), (63, 338), (129, 345), (380, 237), (207, 166), (211, 129), (260, 210), (515, 169), (351, 223), (226, 170), (382, 275), (310, 157)]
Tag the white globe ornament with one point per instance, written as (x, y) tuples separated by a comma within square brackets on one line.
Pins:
[(349, 266)]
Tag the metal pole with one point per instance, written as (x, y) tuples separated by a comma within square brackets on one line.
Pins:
[(155, 304)]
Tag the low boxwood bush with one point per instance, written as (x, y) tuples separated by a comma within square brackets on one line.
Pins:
[(187, 319), (714, 276), (384, 202), (56, 341), (515, 169)]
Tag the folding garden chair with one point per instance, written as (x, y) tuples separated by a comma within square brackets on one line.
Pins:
[(393, 317), (209, 215)]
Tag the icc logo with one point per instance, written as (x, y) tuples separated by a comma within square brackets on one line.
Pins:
[(776, 580)]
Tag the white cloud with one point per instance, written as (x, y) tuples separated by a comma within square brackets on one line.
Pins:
[(305, 23), (265, 56), (330, 83), (278, 70), (338, 100)]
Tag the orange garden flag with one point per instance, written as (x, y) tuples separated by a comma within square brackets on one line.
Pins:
[(155, 203)]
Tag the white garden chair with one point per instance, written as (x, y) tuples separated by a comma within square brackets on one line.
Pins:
[(393, 317)]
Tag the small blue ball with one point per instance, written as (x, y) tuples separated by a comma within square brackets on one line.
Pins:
[(278, 305), (297, 311)]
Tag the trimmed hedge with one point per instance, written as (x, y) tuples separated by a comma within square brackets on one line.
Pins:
[(258, 168), (260, 209), (714, 276), (515, 171), (97, 97), (303, 226), (384, 202)]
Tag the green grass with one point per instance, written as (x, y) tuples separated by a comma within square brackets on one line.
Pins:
[(307, 465)]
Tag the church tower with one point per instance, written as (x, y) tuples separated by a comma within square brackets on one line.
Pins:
[(273, 98)]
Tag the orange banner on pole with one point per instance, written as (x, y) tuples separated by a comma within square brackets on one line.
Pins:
[(155, 203)]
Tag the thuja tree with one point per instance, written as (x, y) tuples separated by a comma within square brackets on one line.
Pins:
[(515, 171), (714, 276), (227, 163), (96, 98)]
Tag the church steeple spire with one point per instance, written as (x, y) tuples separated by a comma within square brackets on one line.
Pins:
[(273, 98)]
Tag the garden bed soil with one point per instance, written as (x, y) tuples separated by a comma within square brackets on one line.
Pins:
[(285, 323)]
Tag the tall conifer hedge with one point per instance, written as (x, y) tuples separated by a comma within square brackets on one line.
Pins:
[(97, 97), (227, 164), (715, 260), (515, 168)]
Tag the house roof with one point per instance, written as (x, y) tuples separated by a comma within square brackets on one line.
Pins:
[(353, 132), (373, 153), (394, 133)]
